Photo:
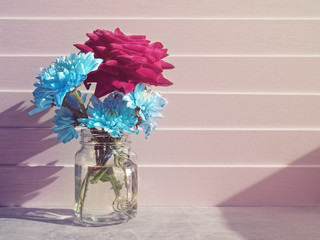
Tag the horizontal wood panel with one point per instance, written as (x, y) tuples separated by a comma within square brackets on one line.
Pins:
[(195, 74), (173, 147), (230, 186), (163, 8), (53, 186), (204, 37), (196, 110)]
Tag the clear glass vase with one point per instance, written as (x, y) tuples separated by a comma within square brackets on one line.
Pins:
[(105, 179)]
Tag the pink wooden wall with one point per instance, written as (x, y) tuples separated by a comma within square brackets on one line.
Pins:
[(242, 127)]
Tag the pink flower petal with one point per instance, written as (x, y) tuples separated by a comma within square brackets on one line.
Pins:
[(147, 75), (156, 45), (109, 69), (161, 81), (93, 36), (124, 87), (83, 48), (166, 65), (128, 60), (111, 63), (102, 90)]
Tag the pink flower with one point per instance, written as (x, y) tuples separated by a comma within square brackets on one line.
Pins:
[(128, 60)]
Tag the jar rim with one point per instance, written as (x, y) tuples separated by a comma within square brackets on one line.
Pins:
[(90, 137)]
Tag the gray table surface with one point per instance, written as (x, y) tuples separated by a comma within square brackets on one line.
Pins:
[(223, 223)]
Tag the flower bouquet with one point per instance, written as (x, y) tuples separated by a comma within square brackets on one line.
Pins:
[(122, 68)]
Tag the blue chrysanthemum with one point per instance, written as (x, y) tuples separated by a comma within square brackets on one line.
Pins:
[(43, 98), (148, 103), (112, 115), (66, 120), (63, 76)]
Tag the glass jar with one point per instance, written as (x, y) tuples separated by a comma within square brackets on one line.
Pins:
[(105, 179)]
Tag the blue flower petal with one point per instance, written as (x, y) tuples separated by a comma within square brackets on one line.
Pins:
[(63, 76), (65, 120), (112, 115), (149, 105)]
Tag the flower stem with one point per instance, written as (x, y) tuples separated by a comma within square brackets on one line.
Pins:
[(88, 103), (77, 96), (112, 178), (114, 184), (99, 175), (82, 196), (76, 112)]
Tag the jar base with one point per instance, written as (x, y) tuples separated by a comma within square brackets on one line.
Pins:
[(92, 220)]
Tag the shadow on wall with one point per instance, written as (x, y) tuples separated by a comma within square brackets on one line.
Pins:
[(294, 185), (19, 183)]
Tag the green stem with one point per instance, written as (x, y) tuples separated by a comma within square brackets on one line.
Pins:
[(88, 103), (81, 199), (99, 175), (113, 179), (115, 187), (116, 160), (77, 96)]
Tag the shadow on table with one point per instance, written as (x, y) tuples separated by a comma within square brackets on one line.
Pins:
[(292, 186), (55, 216)]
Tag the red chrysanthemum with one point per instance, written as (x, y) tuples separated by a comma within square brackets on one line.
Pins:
[(128, 60)]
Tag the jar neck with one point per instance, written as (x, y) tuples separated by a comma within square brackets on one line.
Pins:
[(94, 137)]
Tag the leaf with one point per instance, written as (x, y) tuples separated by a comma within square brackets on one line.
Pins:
[(105, 178), (117, 185)]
